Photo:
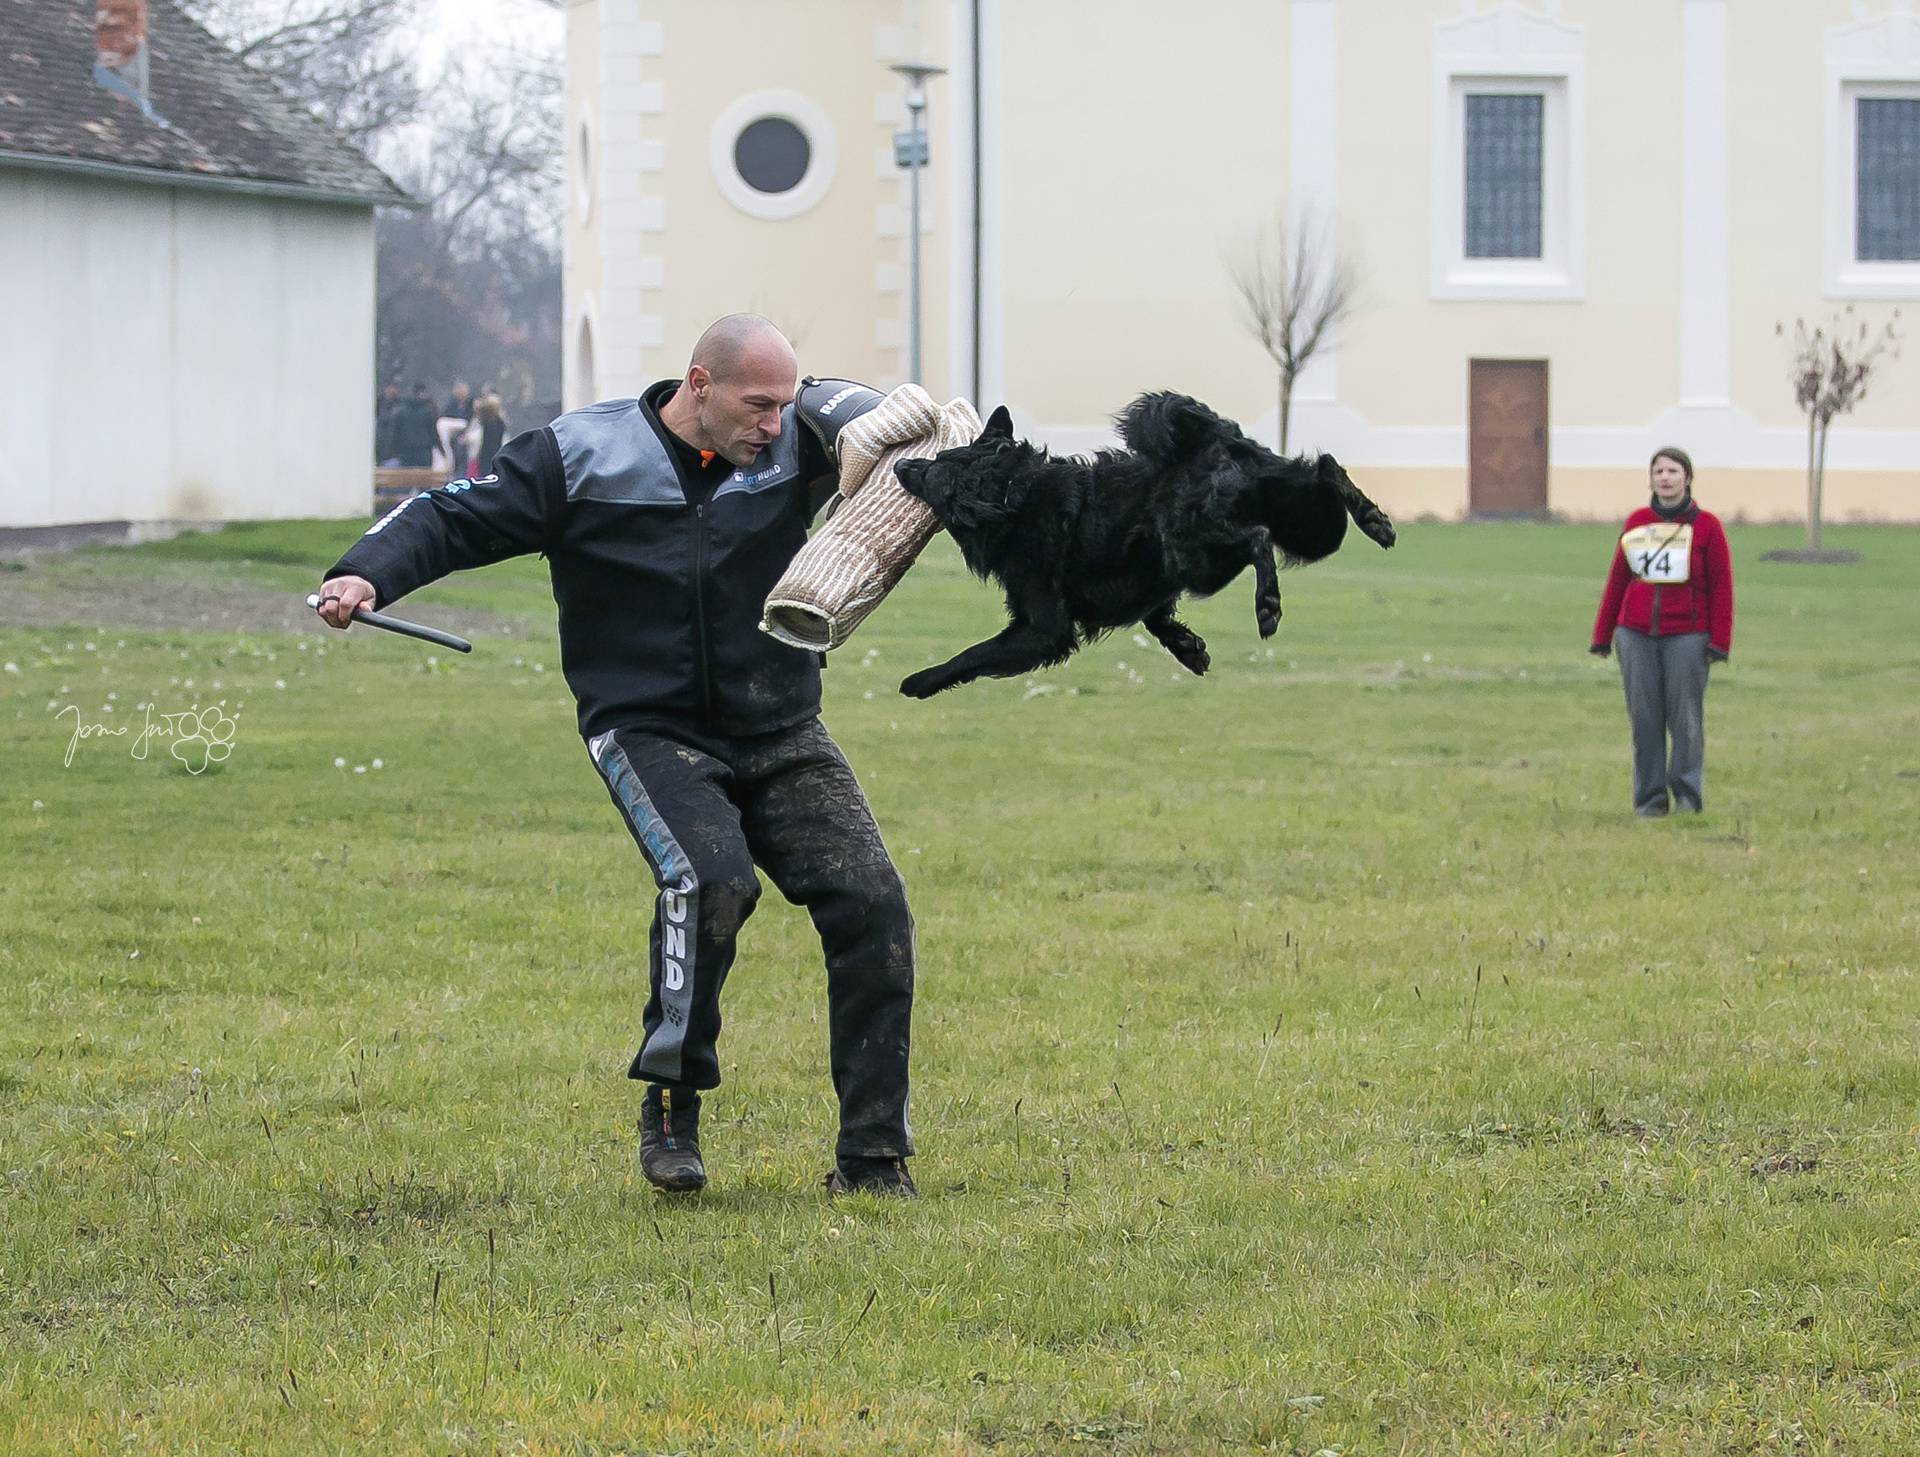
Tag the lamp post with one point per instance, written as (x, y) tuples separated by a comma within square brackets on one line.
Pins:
[(910, 151)]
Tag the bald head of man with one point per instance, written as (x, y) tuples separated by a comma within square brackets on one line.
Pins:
[(742, 375)]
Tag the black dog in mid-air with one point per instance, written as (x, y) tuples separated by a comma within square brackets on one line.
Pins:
[(1085, 546)]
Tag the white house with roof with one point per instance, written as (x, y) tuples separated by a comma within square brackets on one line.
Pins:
[(186, 276)]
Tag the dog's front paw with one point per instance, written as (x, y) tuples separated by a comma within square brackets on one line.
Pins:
[(1267, 614), (923, 684)]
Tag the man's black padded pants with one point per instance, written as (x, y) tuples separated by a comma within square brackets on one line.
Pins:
[(705, 811)]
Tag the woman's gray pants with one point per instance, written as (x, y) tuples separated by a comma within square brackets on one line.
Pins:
[(1666, 683)]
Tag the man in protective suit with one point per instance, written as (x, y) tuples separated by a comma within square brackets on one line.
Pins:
[(666, 521)]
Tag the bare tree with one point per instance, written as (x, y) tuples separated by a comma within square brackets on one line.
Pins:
[(495, 166), (1832, 366), (469, 284), (346, 59), (1295, 285)]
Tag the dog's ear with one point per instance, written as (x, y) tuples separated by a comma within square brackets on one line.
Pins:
[(1329, 471), (1000, 423)]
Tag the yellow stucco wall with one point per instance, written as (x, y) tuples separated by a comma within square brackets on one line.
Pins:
[(1134, 149), (1778, 194), (1613, 356), (817, 274), (1593, 493), (1139, 149)]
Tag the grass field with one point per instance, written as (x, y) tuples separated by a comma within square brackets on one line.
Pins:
[(1314, 1058)]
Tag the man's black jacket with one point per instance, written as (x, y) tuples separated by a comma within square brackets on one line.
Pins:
[(660, 585)]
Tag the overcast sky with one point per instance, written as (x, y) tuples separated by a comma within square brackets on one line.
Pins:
[(528, 23), (527, 27)]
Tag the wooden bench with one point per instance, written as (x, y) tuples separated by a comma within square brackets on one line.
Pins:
[(394, 484)]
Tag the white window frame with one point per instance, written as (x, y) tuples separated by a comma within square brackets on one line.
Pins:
[(822, 152), (1848, 275), (1511, 50)]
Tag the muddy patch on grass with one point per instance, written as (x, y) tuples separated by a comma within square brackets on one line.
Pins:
[(68, 594), (1786, 1161)]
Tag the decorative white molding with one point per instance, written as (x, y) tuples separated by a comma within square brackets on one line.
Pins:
[(582, 378), (1723, 438), (1706, 310), (958, 152), (1509, 48), (1313, 158), (889, 224), (1729, 438), (993, 269), (892, 219), (625, 213), (823, 152), (1510, 29), (585, 164), (1872, 58)]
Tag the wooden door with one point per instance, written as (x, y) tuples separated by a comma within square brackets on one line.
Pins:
[(1507, 437)]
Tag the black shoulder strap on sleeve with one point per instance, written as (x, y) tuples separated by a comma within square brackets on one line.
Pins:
[(825, 405)]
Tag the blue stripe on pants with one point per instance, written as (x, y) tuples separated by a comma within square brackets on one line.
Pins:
[(676, 917)]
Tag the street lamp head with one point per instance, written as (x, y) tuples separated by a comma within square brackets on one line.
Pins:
[(916, 74)]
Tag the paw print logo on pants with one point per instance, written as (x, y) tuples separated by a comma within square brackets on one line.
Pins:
[(206, 738)]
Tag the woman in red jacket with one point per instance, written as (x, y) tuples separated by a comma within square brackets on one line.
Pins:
[(1668, 609)]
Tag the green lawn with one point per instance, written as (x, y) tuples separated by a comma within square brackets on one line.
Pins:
[(1317, 1057)]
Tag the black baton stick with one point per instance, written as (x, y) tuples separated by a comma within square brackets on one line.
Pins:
[(403, 627)]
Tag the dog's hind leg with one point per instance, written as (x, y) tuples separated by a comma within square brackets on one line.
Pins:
[(1019, 648), (1266, 581), (1372, 521), (1189, 649)]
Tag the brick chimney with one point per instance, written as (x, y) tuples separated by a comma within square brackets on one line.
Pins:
[(120, 51)]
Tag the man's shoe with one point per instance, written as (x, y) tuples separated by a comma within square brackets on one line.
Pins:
[(670, 1140), (886, 1177)]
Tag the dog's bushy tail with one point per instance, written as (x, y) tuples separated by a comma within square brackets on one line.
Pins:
[(1168, 427)]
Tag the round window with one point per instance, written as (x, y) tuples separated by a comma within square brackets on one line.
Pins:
[(772, 154)]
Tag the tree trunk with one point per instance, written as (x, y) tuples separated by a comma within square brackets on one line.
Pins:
[(1813, 480), (1286, 408), (1819, 485)]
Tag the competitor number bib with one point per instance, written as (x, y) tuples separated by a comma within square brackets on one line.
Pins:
[(1661, 551)]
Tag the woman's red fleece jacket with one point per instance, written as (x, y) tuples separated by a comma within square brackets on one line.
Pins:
[(1702, 603)]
